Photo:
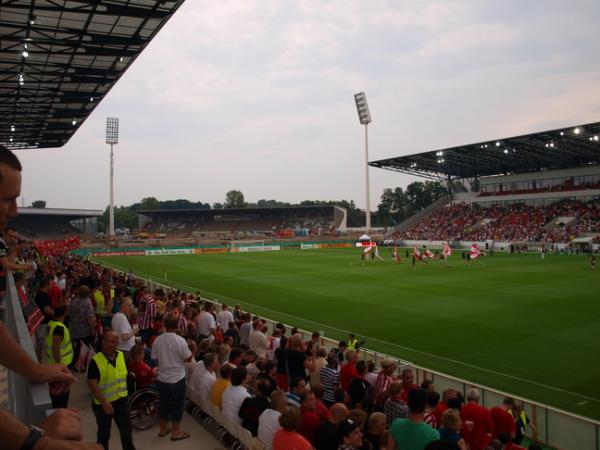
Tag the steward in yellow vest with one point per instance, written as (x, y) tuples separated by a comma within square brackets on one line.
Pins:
[(59, 350), (107, 380)]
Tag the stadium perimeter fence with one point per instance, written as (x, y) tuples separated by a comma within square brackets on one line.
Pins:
[(555, 427)]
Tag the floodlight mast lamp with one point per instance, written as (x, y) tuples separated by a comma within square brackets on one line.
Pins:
[(364, 116), (112, 138)]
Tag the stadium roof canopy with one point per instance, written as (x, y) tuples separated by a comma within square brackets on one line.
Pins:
[(562, 148), (233, 211), (65, 212), (58, 59)]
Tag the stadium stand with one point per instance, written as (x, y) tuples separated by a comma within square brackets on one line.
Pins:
[(245, 222), (56, 223)]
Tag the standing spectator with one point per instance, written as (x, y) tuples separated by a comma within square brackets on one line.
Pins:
[(521, 422), (82, 319), (311, 419), (220, 385), (287, 437), (297, 388), (257, 341), (433, 398), (42, 300), (107, 380), (120, 325), (147, 310), (502, 420), (224, 317), (408, 378), (451, 426), (320, 362), (384, 380), (172, 353), (235, 394), (350, 436), (412, 433), (281, 361), (357, 389), (377, 433), (330, 379), (245, 329), (252, 407), (479, 436), (326, 437), (297, 363), (268, 421), (59, 350), (371, 376), (205, 322), (348, 370), (447, 394), (394, 407)]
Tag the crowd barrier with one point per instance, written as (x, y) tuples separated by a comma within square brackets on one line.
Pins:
[(27, 401), (555, 427)]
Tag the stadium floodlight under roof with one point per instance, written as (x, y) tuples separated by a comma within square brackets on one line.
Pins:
[(58, 60), (562, 148)]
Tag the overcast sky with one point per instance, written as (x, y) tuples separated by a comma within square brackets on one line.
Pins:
[(257, 95)]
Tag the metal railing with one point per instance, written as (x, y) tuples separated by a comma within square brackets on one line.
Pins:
[(557, 428), (28, 401)]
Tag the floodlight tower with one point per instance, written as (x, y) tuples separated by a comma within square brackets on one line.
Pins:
[(364, 116), (112, 138)]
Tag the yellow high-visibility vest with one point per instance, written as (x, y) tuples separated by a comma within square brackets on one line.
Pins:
[(113, 379), (352, 343), (66, 349)]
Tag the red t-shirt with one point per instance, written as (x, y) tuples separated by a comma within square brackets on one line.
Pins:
[(143, 374), (55, 294), (289, 440), (310, 421), (404, 394), (482, 425), (439, 410), (503, 422), (346, 374)]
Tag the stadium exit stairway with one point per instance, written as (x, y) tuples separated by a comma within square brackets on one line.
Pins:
[(143, 440)]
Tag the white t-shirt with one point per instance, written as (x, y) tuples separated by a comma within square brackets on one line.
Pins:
[(233, 398), (120, 325), (268, 424), (206, 322), (171, 350), (258, 342), (223, 319)]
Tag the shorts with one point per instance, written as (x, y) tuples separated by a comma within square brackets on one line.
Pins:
[(40, 336), (171, 400)]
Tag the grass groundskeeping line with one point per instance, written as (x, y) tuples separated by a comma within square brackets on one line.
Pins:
[(516, 323)]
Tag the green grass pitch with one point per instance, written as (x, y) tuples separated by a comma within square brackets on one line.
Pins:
[(516, 323)]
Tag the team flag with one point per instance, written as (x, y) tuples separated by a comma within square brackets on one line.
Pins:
[(446, 251), (427, 254), (475, 251)]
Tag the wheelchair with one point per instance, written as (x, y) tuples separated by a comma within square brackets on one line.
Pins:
[(143, 405)]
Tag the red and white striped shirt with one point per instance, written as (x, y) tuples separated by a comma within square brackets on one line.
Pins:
[(382, 385), (147, 317)]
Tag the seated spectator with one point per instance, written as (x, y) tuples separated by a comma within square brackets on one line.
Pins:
[(451, 426), (326, 434), (287, 437), (235, 394), (297, 388), (377, 430), (412, 433), (311, 418), (145, 376), (209, 375), (252, 407), (394, 407), (268, 421)]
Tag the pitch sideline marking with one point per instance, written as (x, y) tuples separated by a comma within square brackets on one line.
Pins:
[(431, 355)]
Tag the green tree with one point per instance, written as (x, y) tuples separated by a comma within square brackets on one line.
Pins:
[(234, 199), (38, 204), (217, 205), (124, 218)]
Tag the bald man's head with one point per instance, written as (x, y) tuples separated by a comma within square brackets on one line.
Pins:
[(338, 413)]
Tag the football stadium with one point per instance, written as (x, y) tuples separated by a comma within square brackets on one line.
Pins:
[(460, 312)]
